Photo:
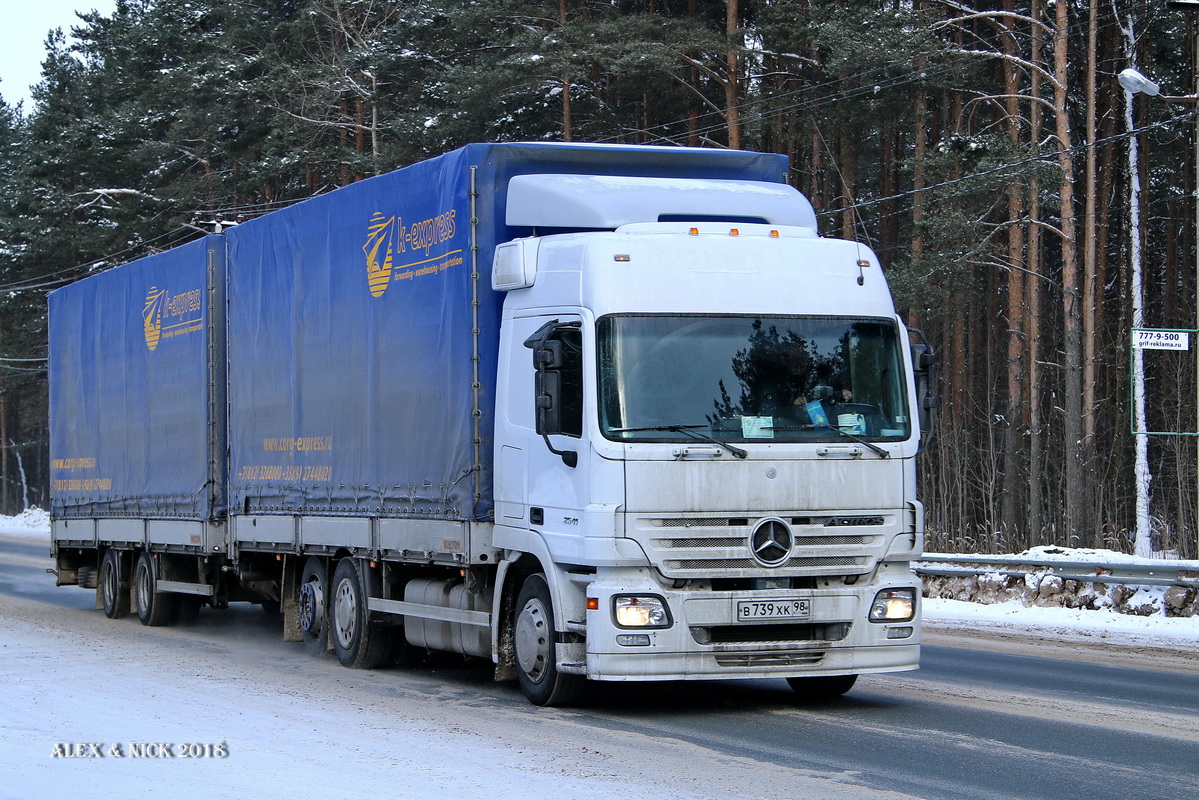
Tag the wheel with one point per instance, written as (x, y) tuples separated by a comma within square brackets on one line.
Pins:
[(358, 642), (187, 609), (824, 687), (314, 590), (85, 577), (153, 608), (534, 638), (114, 593)]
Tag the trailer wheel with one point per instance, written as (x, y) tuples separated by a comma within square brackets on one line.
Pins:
[(534, 638), (153, 609), (824, 687), (358, 642), (113, 595), (187, 609), (85, 577), (314, 622)]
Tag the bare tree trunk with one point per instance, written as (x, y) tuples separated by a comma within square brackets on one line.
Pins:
[(1077, 494), (919, 153), (848, 171), (888, 188), (732, 84), (566, 117), (1090, 283), (1010, 514), (1032, 293)]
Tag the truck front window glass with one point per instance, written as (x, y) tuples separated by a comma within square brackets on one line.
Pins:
[(751, 379)]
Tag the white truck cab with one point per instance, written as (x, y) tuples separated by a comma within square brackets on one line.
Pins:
[(706, 423)]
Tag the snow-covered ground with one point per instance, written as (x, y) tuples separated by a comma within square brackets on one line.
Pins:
[(107, 709)]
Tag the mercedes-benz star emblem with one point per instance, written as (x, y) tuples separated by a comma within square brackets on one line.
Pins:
[(771, 542)]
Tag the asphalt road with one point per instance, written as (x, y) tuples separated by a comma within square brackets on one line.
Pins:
[(973, 722)]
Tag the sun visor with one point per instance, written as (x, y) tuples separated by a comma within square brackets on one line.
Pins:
[(606, 202)]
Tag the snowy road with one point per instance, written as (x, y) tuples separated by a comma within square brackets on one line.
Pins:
[(973, 723)]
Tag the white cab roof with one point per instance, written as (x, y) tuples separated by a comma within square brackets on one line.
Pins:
[(605, 202)]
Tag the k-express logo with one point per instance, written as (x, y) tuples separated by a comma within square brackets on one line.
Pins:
[(389, 240), (166, 315)]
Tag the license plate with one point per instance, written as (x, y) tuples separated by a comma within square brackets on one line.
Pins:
[(782, 608)]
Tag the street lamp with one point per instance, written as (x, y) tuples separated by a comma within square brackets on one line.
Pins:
[(1136, 83)]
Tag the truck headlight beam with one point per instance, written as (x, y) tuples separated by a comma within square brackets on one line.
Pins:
[(640, 611), (893, 605)]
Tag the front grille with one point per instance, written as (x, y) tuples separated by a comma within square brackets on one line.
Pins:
[(701, 522), (716, 542), (744, 660), (718, 546), (798, 633), (853, 563)]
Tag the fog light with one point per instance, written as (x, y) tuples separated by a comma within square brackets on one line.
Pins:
[(893, 605), (640, 611), (899, 633), (633, 639)]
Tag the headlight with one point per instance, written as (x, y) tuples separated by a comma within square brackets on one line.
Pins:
[(893, 605), (640, 611)]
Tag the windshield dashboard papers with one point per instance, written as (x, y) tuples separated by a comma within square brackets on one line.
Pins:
[(816, 413), (757, 427)]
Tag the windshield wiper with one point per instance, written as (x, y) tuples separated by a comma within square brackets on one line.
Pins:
[(873, 447), (688, 429)]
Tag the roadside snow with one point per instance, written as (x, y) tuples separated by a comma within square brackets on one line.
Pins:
[(1070, 623), (32, 523)]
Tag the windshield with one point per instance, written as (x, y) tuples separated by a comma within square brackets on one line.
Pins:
[(751, 379)]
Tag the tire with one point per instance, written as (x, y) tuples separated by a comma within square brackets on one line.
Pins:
[(825, 687), (186, 609), (153, 609), (312, 606), (114, 592), (358, 642), (404, 654), (534, 639), (86, 577)]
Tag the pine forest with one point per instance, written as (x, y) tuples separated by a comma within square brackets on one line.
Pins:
[(1029, 210)]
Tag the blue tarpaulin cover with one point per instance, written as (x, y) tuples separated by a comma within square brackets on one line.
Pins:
[(352, 343), (130, 399)]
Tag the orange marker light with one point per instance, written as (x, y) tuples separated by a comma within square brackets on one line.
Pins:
[(694, 231), (774, 234), (734, 232), (593, 604)]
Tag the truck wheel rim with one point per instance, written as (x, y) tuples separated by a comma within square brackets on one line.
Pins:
[(532, 640), (143, 588), (345, 613), (108, 580), (311, 607)]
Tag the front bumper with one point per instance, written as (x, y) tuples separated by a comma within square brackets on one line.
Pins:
[(706, 640)]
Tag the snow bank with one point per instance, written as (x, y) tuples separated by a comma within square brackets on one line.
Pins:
[(1040, 587), (31, 523), (1063, 623)]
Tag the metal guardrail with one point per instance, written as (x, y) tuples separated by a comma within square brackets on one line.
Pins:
[(1167, 573)]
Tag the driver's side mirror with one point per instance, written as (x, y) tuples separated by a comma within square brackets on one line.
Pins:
[(924, 362), (558, 388)]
